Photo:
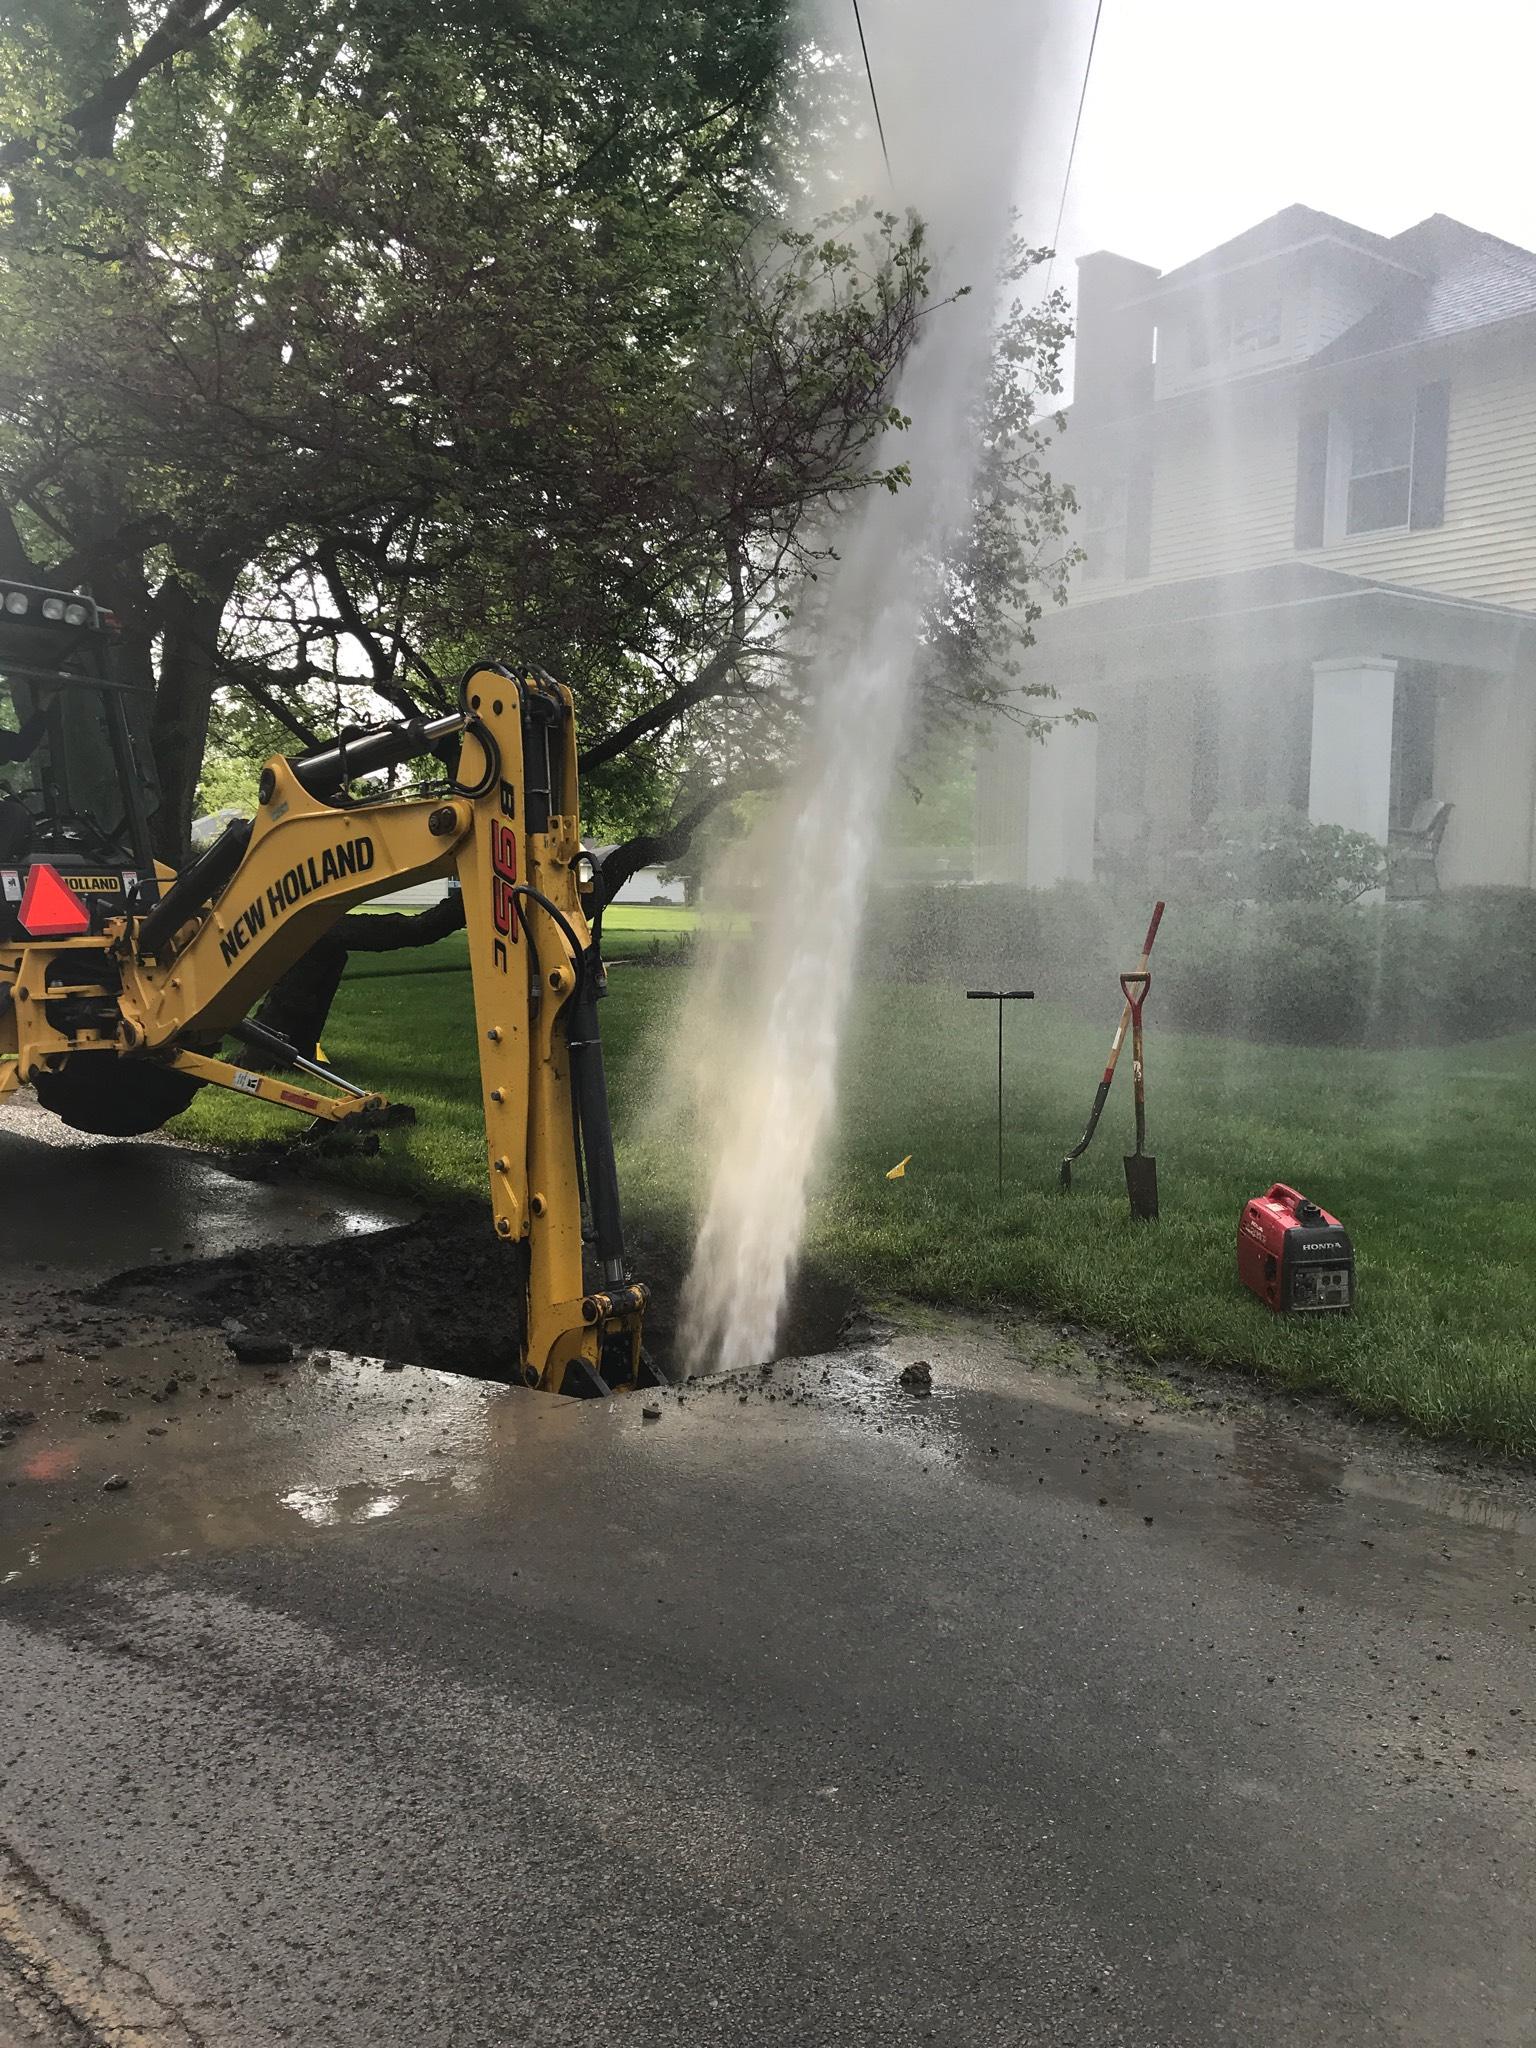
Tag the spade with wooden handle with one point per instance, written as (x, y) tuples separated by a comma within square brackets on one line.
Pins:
[(1140, 1166), (1121, 1028)]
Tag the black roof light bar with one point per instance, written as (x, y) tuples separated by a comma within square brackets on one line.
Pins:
[(25, 603)]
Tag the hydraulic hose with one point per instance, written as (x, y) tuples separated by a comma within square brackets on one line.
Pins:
[(589, 1090), (479, 730), (567, 932)]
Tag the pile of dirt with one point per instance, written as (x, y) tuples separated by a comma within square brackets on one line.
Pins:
[(442, 1291)]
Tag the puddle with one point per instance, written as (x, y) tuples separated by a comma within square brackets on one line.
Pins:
[(166, 1248), (309, 1447), (110, 1206)]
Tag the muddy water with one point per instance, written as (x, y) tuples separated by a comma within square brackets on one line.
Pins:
[(331, 1443), (1258, 1479)]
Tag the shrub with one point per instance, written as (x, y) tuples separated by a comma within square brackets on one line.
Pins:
[(1279, 856), (1316, 972)]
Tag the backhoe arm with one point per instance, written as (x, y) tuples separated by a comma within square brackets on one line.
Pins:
[(193, 969)]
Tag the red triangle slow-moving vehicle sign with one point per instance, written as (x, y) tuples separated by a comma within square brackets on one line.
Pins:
[(50, 909)]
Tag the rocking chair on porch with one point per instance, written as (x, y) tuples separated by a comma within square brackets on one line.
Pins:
[(1413, 852)]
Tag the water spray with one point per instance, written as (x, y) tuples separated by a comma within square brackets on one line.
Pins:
[(772, 1049)]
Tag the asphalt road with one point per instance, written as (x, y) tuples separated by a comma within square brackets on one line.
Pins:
[(390, 1708)]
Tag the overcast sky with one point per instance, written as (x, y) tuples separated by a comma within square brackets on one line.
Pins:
[(1204, 116)]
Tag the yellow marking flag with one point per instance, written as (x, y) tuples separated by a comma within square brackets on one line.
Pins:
[(899, 1171)]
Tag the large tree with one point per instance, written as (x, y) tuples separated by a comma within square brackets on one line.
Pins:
[(342, 343)]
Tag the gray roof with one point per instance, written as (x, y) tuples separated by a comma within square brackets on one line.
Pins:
[(1234, 592), (1468, 279), (1445, 277), (1280, 613), (1288, 229)]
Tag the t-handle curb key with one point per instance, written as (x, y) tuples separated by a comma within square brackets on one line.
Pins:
[(999, 996)]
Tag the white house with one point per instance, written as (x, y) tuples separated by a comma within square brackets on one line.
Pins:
[(1306, 463)]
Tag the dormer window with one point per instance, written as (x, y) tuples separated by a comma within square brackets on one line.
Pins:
[(1254, 332)]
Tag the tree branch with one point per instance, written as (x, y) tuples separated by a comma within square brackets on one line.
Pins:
[(709, 682), (184, 24), (243, 678), (14, 559), (390, 931), (655, 849), (383, 678)]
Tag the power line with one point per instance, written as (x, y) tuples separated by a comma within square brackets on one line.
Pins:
[(1082, 99), (873, 96)]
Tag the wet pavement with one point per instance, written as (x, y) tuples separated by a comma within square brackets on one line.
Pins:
[(90, 1207), (386, 1705)]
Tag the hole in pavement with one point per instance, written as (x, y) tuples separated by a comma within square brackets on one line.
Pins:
[(442, 1291)]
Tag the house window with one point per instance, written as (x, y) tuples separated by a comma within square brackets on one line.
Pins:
[(1104, 516), (1378, 466), (1379, 475)]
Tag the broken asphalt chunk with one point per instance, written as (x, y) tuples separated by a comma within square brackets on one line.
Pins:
[(250, 1348)]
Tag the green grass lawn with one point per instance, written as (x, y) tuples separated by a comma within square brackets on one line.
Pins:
[(1425, 1156), (630, 931)]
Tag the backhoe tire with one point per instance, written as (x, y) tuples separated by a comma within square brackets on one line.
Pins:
[(114, 1097)]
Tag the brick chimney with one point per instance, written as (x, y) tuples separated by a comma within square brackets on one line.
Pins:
[(1113, 363)]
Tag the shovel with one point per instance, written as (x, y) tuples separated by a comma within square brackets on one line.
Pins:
[(1102, 1096), (1140, 1166)]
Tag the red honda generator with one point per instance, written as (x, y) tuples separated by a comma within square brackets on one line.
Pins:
[(1293, 1255)]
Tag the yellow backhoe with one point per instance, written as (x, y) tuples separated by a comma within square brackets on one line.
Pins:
[(122, 983)]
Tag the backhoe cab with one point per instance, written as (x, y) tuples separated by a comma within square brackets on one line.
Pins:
[(76, 776), (121, 982)]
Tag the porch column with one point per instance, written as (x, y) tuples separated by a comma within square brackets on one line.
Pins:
[(1061, 803), (1352, 743)]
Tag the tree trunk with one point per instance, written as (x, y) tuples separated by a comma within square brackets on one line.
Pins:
[(192, 612)]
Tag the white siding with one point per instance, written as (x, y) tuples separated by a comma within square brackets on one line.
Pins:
[(1487, 545), (646, 885), (1224, 488), (419, 897)]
